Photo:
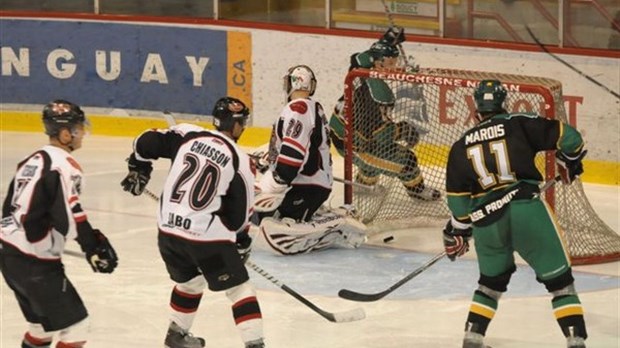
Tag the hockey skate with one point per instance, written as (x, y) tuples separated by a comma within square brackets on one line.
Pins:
[(423, 193), (573, 340), (179, 338), (255, 344), (26, 344), (473, 340)]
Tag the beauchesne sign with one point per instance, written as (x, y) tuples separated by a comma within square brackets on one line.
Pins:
[(129, 66)]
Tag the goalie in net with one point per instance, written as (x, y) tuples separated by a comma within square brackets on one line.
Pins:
[(298, 179), (383, 145)]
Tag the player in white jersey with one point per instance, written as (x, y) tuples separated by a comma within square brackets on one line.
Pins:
[(300, 175), (203, 219), (42, 210)]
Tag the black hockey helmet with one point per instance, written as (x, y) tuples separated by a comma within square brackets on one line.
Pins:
[(61, 114), (382, 49), (490, 96), (299, 78), (227, 112)]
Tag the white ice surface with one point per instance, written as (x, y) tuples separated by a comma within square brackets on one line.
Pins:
[(129, 308)]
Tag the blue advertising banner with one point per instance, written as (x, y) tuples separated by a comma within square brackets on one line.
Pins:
[(119, 65)]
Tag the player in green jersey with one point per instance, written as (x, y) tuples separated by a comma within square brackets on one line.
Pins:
[(493, 194)]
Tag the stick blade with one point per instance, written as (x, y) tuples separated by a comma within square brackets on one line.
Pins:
[(359, 297), (348, 316)]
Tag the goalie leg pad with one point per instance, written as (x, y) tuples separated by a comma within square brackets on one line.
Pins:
[(289, 237)]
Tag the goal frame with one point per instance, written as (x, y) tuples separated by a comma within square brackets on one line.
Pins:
[(598, 244)]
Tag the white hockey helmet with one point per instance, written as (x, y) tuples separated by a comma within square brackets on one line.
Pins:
[(299, 78)]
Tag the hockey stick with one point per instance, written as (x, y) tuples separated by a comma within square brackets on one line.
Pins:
[(360, 185), (567, 64), (152, 195), (547, 185), (169, 118), (362, 297), (390, 18), (74, 253), (340, 317)]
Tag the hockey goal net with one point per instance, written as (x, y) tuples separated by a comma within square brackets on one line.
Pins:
[(439, 102)]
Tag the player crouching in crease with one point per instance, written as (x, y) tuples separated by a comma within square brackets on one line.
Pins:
[(41, 211), (203, 218), (299, 178), (492, 168)]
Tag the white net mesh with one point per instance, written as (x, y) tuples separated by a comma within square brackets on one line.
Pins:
[(439, 102)]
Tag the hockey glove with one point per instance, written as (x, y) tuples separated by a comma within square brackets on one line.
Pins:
[(570, 166), (394, 36), (261, 161), (408, 133), (139, 175), (244, 245), (102, 258), (456, 240)]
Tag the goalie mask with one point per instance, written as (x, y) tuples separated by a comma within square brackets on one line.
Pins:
[(227, 112), (489, 97), (61, 114), (299, 78)]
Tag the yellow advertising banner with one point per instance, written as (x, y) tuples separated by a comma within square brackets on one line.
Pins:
[(239, 66)]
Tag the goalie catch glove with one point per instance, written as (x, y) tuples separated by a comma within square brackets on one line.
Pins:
[(139, 175), (102, 258), (569, 165), (244, 244), (394, 36), (456, 240)]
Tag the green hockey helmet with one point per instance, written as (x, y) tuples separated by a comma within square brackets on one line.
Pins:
[(382, 49), (490, 96)]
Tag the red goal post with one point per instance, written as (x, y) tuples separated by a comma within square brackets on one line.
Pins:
[(439, 102)]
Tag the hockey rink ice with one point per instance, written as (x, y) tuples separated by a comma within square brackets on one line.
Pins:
[(129, 308)]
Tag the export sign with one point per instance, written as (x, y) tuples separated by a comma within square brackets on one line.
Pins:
[(127, 66)]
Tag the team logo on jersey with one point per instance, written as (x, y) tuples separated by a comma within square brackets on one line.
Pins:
[(29, 171)]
